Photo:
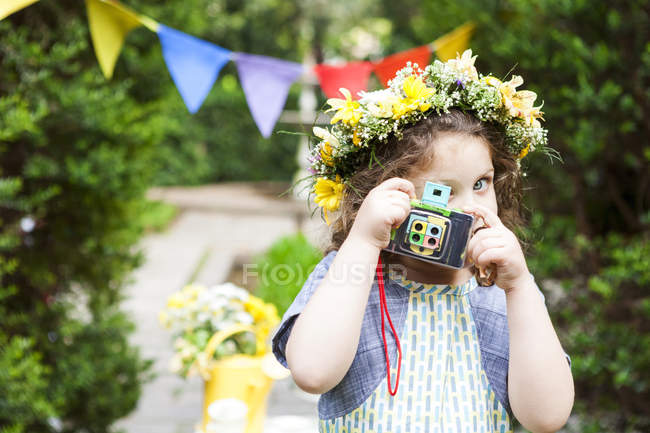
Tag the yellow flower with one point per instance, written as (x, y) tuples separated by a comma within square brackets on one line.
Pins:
[(355, 137), (328, 194), (328, 144), (523, 102), (177, 300), (416, 94), (507, 91), (400, 109), (524, 151), (265, 317), (464, 65), (531, 117), (518, 103), (326, 153), (347, 110), (191, 291), (260, 310), (492, 81)]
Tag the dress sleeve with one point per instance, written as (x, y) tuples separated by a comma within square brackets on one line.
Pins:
[(568, 358), (281, 336)]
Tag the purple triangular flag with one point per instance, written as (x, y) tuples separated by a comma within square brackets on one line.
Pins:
[(193, 63), (266, 83)]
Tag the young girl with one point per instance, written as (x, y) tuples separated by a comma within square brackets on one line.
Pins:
[(464, 357)]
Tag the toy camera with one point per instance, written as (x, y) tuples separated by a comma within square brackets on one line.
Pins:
[(432, 232)]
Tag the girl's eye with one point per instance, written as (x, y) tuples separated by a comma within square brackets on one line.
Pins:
[(480, 183)]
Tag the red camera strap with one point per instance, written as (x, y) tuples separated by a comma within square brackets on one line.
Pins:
[(384, 308)]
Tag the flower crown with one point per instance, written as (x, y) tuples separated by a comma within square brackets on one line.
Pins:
[(415, 94)]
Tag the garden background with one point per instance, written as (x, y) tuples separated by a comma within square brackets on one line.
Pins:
[(78, 154)]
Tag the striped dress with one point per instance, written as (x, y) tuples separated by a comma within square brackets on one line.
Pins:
[(442, 387)]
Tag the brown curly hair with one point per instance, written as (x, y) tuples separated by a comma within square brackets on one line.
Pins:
[(414, 151)]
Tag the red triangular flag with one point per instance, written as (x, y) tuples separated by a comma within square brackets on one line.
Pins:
[(388, 66), (353, 76)]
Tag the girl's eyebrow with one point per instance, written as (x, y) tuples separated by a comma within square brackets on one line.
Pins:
[(486, 172)]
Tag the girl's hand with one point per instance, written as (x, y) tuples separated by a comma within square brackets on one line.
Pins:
[(385, 207), (499, 246)]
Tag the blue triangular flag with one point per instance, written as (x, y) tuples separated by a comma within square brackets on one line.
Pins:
[(193, 63), (266, 83)]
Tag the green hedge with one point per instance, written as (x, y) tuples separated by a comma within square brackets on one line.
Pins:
[(75, 161)]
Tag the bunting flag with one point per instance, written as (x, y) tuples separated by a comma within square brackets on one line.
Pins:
[(193, 63), (352, 76), (266, 83), (388, 66), (8, 7), (109, 23), (448, 45)]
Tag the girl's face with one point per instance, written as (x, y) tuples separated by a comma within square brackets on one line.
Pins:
[(462, 162)]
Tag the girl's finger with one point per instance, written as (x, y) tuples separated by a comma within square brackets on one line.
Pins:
[(490, 255), (488, 232), (399, 194), (485, 244), (397, 183), (480, 211), (396, 215), (402, 202), (482, 235)]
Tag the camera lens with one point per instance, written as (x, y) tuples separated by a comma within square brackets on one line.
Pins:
[(418, 226), (415, 237), (435, 230), (432, 241)]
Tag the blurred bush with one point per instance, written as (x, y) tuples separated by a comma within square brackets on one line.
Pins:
[(75, 160), (284, 268)]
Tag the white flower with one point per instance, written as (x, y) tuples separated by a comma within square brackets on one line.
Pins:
[(326, 136), (243, 317), (27, 224), (203, 317), (229, 290), (464, 65)]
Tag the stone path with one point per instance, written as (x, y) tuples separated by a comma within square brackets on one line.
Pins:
[(217, 224)]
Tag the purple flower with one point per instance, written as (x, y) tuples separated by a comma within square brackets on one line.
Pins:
[(460, 84)]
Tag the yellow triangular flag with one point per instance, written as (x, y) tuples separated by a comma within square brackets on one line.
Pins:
[(456, 41), (109, 23), (8, 7)]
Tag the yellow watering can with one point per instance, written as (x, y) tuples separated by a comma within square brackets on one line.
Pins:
[(244, 377)]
